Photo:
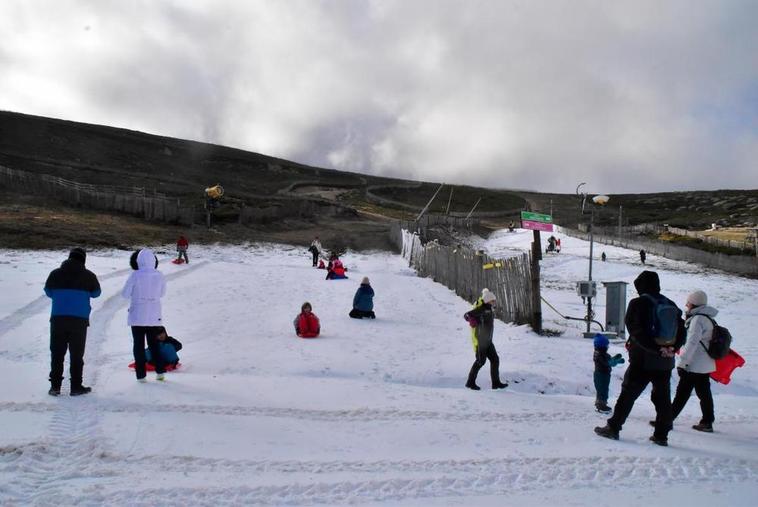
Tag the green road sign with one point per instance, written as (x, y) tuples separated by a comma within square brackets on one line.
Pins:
[(536, 217)]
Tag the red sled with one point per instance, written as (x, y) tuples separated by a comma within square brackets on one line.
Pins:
[(178, 261), (151, 366), (725, 367)]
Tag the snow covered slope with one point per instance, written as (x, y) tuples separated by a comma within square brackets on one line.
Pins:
[(372, 412)]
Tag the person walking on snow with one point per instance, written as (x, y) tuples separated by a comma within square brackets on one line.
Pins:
[(181, 247), (694, 364), (481, 318), (71, 287), (643, 256), (602, 375), (363, 301), (144, 288), (649, 362), (315, 249)]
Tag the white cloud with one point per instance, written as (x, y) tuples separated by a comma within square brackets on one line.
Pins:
[(645, 97)]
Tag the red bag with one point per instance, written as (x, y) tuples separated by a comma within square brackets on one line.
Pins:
[(725, 367)]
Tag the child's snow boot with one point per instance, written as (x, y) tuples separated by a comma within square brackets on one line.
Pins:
[(161, 377), (603, 407)]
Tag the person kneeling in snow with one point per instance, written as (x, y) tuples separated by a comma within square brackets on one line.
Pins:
[(363, 301), (306, 323), (168, 346)]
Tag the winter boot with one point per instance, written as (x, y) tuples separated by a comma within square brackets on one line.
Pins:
[(54, 391), (705, 428), (603, 407), (79, 390), (161, 377), (499, 385), (607, 432), (473, 386), (142, 380), (662, 441)]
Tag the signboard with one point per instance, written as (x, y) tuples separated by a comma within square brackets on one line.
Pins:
[(536, 221)]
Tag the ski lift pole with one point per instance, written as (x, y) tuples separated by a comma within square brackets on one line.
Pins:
[(429, 203), (472, 209)]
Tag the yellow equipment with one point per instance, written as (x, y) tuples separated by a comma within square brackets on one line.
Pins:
[(214, 192)]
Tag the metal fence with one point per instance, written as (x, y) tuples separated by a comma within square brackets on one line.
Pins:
[(467, 272), (132, 200)]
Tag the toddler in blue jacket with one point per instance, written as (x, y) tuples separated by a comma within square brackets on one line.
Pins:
[(602, 376)]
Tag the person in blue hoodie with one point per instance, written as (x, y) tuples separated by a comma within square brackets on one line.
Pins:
[(602, 376), (168, 346), (363, 301), (71, 287)]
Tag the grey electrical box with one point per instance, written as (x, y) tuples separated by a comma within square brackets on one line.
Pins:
[(586, 289), (615, 308)]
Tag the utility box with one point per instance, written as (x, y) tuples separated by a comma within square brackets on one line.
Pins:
[(615, 308), (586, 289)]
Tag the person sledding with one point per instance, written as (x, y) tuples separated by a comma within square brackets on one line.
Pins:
[(335, 270), (481, 318), (168, 346), (306, 323), (363, 301)]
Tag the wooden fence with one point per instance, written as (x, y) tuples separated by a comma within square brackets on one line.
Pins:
[(131, 200), (467, 272)]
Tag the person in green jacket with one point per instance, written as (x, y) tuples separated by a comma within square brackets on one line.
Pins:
[(481, 318)]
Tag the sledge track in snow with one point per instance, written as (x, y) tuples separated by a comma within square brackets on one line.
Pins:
[(433, 479), (74, 439)]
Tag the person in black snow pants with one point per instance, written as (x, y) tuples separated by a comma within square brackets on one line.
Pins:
[(482, 321), (649, 362), (643, 256), (70, 287)]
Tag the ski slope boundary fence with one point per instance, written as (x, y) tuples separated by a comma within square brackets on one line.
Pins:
[(746, 265), (131, 200), (467, 272)]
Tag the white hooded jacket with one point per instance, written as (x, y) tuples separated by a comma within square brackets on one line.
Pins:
[(145, 288), (694, 357)]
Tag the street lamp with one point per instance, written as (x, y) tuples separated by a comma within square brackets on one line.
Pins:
[(600, 200)]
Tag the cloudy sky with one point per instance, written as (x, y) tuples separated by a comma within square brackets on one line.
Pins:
[(628, 96)]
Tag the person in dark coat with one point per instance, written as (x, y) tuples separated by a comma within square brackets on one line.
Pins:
[(168, 346), (648, 362), (482, 321), (643, 256), (71, 287), (602, 375), (363, 301)]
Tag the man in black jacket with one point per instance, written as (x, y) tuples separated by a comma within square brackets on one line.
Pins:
[(649, 362), (70, 287)]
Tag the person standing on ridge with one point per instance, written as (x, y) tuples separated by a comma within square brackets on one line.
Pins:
[(71, 287), (315, 250)]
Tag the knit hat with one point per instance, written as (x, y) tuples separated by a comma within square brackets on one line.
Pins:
[(697, 298), (600, 341), (79, 254), (365, 281), (488, 296)]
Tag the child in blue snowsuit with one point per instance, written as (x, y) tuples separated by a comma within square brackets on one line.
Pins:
[(602, 376), (169, 346)]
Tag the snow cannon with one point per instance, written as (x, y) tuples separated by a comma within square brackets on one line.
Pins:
[(214, 192)]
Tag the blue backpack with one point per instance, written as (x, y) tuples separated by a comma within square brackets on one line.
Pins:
[(666, 318)]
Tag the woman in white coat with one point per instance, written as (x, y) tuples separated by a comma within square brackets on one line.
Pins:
[(694, 364), (144, 288)]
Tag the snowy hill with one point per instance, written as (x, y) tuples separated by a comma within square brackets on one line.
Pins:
[(372, 412)]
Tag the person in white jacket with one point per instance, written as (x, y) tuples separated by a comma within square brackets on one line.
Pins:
[(144, 288), (694, 364)]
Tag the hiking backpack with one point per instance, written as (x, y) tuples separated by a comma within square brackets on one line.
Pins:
[(666, 318), (721, 341)]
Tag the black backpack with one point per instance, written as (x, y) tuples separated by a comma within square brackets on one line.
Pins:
[(721, 341)]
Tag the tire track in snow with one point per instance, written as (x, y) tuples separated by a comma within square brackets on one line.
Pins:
[(446, 478), (74, 435)]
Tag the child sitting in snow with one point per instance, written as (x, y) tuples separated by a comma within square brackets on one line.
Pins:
[(602, 376), (306, 323), (336, 270), (169, 346)]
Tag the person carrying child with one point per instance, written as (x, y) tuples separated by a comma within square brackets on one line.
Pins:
[(602, 375), (306, 323), (481, 318)]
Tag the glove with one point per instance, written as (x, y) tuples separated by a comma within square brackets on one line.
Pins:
[(617, 357)]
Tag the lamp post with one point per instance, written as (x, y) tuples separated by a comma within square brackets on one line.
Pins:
[(600, 200)]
